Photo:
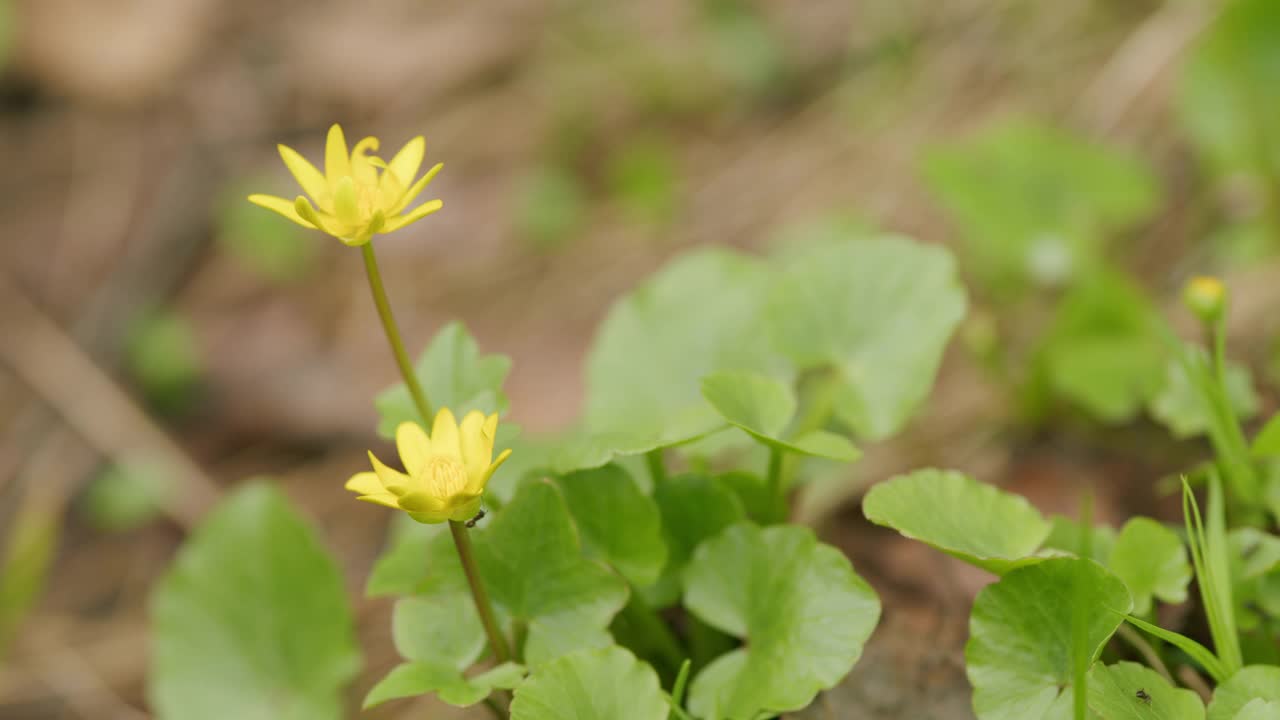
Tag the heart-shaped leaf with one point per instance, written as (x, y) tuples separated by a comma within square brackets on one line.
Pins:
[(1259, 709), (252, 620), (591, 685), (1129, 691), (960, 516), (694, 508), (762, 407), (412, 679), (454, 374), (878, 312), (1256, 682), (1019, 654), (1180, 407), (617, 522), (1151, 560), (801, 610)]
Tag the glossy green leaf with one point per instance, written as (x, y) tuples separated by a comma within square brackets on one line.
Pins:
[(699, 314), (1180, 407), (587, 449), (251, 621), (618, 523), (694, 508), (591, 685), (1256, 682), (532, 563), (1068, 536), (762, 407), (1259, 709), (1267, 442), (454, 374), (1035, 204), (412, 679), (1018, 657), (797, 604), (1193, 649), (973, 521), (877, 312), (418, 560), (1104, 351), (1129, 691), (1151, 561)]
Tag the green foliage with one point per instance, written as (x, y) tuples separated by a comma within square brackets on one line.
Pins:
[(164, 357), (744, 49), (762, 407), (29, 544), (265, 243), (1259, 709), (251, 621), (1019, 654), (589, 685), (1182, 408), (552, 206), (1256, 682), (454, 375), (419, 678), (1267, 442), (616, 522), (962, 517), (876, 312), (801, 610), (1129, 691), (1151, 561), (645, 180), (694, 508), (1068, 536), (128, 495), (1035, 205)]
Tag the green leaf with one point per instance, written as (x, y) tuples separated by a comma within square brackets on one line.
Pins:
[(797, 604), (1193, 649), (29, 542), (418, 560), (127, 495), (164, 356), (1020, 633), (1267, 442), (454, 375), (1181, 407), (419, 678), (551, 206), (699, 314), (1229, 94), (264, 242), (1151, 560), (617, 522), (1259, 709), (587, 449), (251, 621), (1256, 682), (1129, 691), (591, 685), (694, 508), (960, 516), (532, 563), (1104, 350), (1034, 204), (762, 407), (1068, 536), (644, 179), (878, 312)]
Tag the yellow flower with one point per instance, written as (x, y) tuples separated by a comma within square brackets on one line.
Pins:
[(447, 471), (1206, 297), (358, 194)]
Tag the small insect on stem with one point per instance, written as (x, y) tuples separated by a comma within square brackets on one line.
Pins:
[(1143, 696), (472, 522)]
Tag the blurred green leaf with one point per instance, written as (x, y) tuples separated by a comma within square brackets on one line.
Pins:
[(878, 312), (960, 516), (594, 684), (616, 521), (29, 543), (1019, 654), (1259, 709), (1256, 682), (1267, 442), (551, 206), (1104, 350), (1151, 561), (163, 355), (645, 179), (1129, 691), (421, 677), (798, 605), (744, 49), (694, 508), (762, 407), (1034, 204), (263, 241), (454, 375), (127, 495), (1180, 407), (251, 621), (1067, 535)]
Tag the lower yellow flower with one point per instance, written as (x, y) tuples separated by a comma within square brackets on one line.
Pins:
[(446, 472)]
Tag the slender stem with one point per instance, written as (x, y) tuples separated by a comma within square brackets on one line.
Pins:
[(462, 541), (657, 470), (393, 333), (1144, 649), (773, 480)]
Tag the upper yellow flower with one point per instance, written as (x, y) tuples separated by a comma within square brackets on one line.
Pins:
[(358, 194), (447, 471)]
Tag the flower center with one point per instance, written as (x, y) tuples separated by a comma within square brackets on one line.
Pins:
[(445, 476)]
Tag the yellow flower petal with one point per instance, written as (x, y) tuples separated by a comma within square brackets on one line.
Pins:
[(365, 483), (362, 237), (337, 162), (363, 169), (345, 205), (282, 206), (416, 189), (471, 440), (423, 503), (444, 435), (389, 191), (502, 457), (417, 214), (311, 179), (466, 511), (385, 499), (414, 447), (391, 478), (406, 162), (304, 209)]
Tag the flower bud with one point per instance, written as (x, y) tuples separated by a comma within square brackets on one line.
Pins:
[(1206, 297)]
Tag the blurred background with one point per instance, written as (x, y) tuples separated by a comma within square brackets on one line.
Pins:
[(162, 340)]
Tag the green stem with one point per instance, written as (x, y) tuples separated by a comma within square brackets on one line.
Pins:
[(393, 334), (497, 641), (773, 480), (461, 540)]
